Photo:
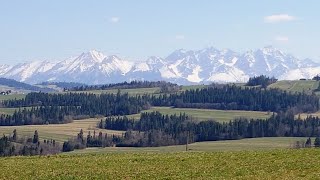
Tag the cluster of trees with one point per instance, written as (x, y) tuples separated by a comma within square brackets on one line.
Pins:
[(232, 97), (307, 144), (124, 85), (62, 108), (14, 145), (316, 78), (175, 129), (170, 88), (91, 140), (262, 81)]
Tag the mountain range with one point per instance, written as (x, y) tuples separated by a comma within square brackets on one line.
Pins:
[(181, 66)]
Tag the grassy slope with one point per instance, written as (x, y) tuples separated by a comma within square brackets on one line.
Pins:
[(205, 114), (296, 86), (58, 132), (251, 144), (275, 164)]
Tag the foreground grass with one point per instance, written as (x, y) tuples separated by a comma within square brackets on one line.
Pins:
[(275, 164), (209, 114), (252, 144), (58, 132)]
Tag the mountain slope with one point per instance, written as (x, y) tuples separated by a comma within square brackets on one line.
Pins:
[(22, 86), (181, 66)]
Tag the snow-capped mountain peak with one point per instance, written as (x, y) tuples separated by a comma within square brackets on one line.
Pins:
[(91, 56), (182, 66)]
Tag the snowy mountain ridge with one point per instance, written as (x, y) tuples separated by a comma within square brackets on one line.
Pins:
[(182, 67)]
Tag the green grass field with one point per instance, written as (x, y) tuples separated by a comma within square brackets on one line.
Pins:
[(206, 114), (296, 86), (12, 96), (250, 144), (58, 132), (8, 110), (274, 164)]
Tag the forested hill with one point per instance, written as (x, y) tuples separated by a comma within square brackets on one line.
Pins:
[(231, 97), (22, 86), (125, 85), (61, 108)]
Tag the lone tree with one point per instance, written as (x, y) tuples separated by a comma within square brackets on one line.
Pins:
[(35, 137), (14, 136), (317, 142), (308, 143)]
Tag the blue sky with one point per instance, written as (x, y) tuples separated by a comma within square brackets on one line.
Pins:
[(54, 30)]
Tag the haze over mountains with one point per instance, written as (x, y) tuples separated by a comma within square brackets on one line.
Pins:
[(182, 67)]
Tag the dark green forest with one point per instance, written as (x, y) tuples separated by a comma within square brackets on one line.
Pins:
[(47, 108)]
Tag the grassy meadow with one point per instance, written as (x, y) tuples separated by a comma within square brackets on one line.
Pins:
[(305, 115), (296, 86), (273, 164), (250, 144), (12, 96)]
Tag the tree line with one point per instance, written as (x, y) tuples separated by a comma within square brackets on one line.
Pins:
[(13, 145), (177, 128), (123, 85), (232, 97), (62, 108), (262, 80)]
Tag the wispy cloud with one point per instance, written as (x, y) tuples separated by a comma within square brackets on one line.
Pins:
[(114, 19), (180, 37), (282, 39), (276, 18)]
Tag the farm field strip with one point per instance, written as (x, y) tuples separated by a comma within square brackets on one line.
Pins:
[(12, 97), (249, 144), (59, 132), (305, 115), (209, 114)]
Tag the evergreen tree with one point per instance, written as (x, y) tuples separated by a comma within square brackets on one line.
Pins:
[(35, 137), (308, 143), (317, 142), (14, 136)]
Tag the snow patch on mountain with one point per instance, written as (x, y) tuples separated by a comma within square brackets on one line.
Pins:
[(194, 76)]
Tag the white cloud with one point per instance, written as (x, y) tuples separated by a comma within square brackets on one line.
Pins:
[(283, 39), (279, 18), (114, 19), (180, 37)]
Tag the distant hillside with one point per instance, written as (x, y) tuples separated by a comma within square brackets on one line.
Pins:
[(22, 86), (62, 85)]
